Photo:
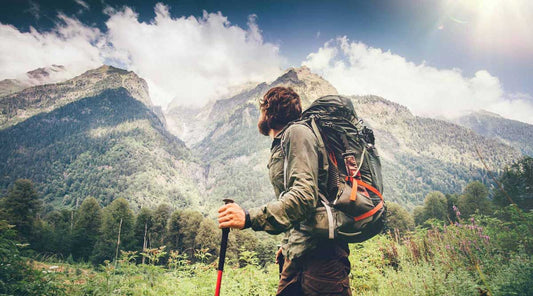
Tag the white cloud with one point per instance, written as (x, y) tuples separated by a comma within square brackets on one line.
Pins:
[(189, 59), (70, 43), (355, 68), (83, 4)]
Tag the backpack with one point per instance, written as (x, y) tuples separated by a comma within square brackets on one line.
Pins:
[(353, 208)]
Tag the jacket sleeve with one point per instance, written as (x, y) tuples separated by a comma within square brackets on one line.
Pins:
[(300, 197)]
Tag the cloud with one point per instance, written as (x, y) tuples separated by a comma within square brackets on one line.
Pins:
[(189, 59), (83, 4), (70, 43), (355, 68), (34, 10)]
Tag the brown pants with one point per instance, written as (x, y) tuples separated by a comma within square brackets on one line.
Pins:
[(316, 274)]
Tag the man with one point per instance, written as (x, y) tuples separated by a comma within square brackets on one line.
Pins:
[(312, 266)]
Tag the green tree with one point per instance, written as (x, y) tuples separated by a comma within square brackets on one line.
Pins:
[(86, 228), (474, 198), (174, 232), (435, 206), (59, 239), (116, 217), (419, 215), (517, 181), (451, 200), (207, 236), (159, 227), (182, 230), (143, 228), (21, 206), (399, 218)]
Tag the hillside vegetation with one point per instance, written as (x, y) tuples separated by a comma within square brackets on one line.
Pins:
[(108, 146), (463, 244)]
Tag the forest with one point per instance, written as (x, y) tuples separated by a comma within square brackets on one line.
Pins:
[(478, 241)]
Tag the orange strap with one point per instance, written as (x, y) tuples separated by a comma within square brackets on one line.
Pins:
[(353, 194), (369, 187), (376, 208)]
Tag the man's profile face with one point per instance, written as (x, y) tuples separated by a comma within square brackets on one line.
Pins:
[(262, 123)]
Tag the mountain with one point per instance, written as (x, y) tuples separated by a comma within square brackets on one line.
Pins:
[(224, 136), (419, 154), (95, 135), (31, 78), (99, 135), (514, 133), (21, 105)]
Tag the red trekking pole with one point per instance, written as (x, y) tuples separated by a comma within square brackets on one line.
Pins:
[(222, 257)]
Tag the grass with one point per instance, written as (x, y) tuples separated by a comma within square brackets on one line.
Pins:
[(459, 259)]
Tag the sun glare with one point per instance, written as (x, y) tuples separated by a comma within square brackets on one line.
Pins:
[(496, 26)]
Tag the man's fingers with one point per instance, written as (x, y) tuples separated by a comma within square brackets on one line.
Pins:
[(228, 224), (224, 219), (223, 208)]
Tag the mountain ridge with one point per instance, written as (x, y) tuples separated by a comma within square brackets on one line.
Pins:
[(195, 157), (21, 105)]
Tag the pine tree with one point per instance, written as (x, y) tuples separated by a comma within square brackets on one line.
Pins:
[(86, 228), (59, 239), (21, 206), (517, 181)]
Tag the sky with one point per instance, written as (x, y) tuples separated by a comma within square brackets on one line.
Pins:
[(440, 58)]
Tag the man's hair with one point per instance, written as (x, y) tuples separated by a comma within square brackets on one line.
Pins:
[(281, 106)]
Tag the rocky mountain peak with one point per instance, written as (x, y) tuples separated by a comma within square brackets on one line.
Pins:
[(25, 103), (109, 77), (307, 84)]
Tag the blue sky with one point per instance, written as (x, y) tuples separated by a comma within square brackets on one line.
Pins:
[(448, 40)]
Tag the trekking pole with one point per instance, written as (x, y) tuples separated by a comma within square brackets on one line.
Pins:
[(222, 257)]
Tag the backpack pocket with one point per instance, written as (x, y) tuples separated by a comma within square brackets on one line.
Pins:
[(353, 200)]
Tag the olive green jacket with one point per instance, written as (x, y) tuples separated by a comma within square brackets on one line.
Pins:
[(306, 176)]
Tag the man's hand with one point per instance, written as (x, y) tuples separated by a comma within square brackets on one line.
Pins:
[(231, 216)]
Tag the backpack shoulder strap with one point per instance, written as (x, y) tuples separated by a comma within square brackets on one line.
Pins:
[(323, 199)]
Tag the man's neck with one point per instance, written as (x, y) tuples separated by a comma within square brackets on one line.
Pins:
[(273, 133)]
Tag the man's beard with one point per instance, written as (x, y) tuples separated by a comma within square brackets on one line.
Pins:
[(263, 127)]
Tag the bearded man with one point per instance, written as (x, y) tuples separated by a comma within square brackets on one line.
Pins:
[(312, 265)]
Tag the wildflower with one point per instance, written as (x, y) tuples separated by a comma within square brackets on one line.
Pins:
[(448, 247), (472, 220)]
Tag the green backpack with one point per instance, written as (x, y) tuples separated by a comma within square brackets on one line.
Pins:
[(353, 208)]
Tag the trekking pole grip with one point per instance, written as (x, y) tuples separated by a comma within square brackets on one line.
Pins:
[(224, 242), (222, 255)]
